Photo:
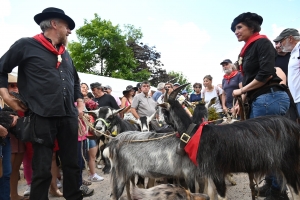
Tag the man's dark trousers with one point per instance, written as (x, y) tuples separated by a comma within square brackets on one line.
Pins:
[(65, 129)]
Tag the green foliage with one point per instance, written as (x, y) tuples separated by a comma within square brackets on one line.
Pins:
[(102, 44), (212, 114), (179, 77)]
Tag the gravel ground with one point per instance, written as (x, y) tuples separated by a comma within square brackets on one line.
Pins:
[(241, 191)]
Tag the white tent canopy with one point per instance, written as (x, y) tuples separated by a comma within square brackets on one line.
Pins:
[(117, 85)]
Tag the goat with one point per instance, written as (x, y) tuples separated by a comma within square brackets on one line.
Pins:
[(237, 147), (167, 192)]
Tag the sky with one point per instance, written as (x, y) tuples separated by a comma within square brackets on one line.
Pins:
[(193, 36)]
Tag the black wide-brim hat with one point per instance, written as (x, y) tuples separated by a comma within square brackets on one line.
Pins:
[(128, 89), (51, 12), (242, 17)]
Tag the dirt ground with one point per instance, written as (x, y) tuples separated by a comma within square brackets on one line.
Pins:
[(241, 191)]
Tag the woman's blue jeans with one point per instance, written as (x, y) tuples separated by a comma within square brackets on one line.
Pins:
[(274, 103), (4, 180)]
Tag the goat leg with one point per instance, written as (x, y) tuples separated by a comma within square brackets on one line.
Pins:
[(128, 190), (251, 178)]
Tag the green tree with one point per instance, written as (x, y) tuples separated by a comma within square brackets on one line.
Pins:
[(102, 44), (179, 77)]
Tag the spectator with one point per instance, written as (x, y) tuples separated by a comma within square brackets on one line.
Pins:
[(196, 96), (49, 85), (142, 104), (289, 40), (160, 90), (108, 89), (138, 88), (101, 98), (175, 86), (232, 80), (185, 94), (210, 91), (89, 96), (126, 101)]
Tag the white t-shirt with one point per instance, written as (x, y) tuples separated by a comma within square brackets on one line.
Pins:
[(214, 93), (294, 73)]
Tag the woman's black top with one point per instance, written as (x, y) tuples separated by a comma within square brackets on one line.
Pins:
[(259, 63)]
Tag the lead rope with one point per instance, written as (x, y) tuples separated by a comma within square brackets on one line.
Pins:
[(81, 134)]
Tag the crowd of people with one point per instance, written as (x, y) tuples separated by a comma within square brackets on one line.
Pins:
[(52, 95)]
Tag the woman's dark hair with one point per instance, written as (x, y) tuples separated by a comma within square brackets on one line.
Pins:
[(252, 25), (197, 84), (209, 77), (90, 95)]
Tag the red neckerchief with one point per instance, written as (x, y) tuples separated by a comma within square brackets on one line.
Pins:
[(252, 39), (41, 38), (228, 77), (191, 148)]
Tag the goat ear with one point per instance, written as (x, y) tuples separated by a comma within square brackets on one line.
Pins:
[(114, 112), (173, 94), (151, 117), (165, 105), (94, 113), (211, 102)]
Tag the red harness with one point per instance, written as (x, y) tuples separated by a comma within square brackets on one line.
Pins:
[(192, 146)]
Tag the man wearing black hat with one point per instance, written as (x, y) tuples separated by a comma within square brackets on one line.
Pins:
[(49, 85), (289, 40), (282, 59)]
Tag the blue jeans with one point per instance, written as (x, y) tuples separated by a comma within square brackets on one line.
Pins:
[(4, 180), (298, 107), (274, 103)]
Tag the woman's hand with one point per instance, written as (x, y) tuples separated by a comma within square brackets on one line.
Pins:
[(14, 122), (237, 92), (225, 109)]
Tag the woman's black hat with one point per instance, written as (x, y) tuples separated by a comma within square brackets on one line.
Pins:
[(128, 89), (242, 17), (51, 12)]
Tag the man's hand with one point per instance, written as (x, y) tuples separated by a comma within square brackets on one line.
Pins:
[(225, 109), (80, 107), (3, 131)]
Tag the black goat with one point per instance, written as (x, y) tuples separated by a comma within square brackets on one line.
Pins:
[(257, 146)]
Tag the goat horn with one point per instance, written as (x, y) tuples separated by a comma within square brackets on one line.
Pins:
[(114, 112), (166, 95), (173, 95), (93, 112)]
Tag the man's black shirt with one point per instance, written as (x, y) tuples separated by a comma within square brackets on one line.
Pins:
[(283, 62), (107, 100), (47, 90)]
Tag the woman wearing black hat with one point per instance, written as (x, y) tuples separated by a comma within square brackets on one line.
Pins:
[(260, 82), (126, 102)]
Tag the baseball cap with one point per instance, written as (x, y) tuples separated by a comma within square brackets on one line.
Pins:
[(225, 61), (176, 84), (287, 32), (107, 87)]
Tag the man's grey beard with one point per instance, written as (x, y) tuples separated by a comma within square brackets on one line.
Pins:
[(287, 47), (228, 71)]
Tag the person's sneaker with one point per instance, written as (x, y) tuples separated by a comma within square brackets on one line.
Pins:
[(86, 191), (27, 191), (261, 191), (58, 183), (276, 195), (95, 178)]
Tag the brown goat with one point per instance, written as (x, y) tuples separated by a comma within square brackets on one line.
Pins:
[(167, 192)]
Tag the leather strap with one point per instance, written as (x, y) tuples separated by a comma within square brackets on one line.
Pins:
[(185, 137)]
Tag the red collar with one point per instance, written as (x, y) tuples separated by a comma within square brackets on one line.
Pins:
[(253, 38), (41, 38), (192, 146), (228, 77)]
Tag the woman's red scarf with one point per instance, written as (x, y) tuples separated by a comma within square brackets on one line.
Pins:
[(252, 39), (41, 38), (232, 74)]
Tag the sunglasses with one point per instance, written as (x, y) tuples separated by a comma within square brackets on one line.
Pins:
[(197, 87), (13, 85), (167, 87)]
